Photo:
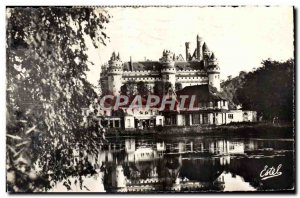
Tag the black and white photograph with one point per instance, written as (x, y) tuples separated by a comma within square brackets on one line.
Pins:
[(150, 99)]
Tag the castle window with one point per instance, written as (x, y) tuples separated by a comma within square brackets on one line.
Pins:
[(230, 116), (196, 118), (128, 123)]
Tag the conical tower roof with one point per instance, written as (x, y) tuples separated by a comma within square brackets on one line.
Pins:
[(213, 56), (205, 47)]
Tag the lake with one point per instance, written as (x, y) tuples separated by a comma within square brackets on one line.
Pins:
[(194, 164)]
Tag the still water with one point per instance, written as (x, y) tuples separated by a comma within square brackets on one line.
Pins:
[(193, 164)]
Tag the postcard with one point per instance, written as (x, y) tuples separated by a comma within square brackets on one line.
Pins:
[(150, 99)]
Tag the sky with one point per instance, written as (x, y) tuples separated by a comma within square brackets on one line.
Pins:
[(239, 37)]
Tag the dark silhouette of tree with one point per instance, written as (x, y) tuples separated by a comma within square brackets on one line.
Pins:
[(161, 88), (178, 86), (129, 88), (142, 89), (270, 90), (46, 89)]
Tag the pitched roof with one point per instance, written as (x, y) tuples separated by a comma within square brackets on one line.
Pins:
[(143, 65), (202, 92), (156, 65)]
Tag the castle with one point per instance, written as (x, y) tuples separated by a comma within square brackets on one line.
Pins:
[(198, 69), (198, 75)]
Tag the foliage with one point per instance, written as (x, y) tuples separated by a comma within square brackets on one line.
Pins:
[(178, 86), (270, 90), (142, 88), (161, 88), (229, 88), (129, 88), (46, 88)]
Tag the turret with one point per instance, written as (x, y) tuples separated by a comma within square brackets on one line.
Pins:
[(213, 71), (199, 43), (114, 73), (168, 70), (206, 54)]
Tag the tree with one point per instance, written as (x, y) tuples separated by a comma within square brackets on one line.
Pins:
[(129, 88), (161, 88), (178, 86), (46, 88), (142, 89), (270, 90)]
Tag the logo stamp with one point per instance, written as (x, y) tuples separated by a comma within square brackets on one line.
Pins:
[(270, 172)]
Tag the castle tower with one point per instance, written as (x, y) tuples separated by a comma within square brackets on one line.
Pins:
[(187, 51), (199, 43), (213, 72), (168, 70), (206, 54), (114, 74)]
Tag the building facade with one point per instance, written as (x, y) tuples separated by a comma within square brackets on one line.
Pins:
[(197, 69), (197, 75)]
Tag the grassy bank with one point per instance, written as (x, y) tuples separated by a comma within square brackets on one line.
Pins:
[(263, 130)]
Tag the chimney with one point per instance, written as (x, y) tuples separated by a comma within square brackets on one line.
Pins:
[(187, 51), (199, 42)]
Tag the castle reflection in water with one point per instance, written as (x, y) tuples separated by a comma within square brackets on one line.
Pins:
[(139, 165)]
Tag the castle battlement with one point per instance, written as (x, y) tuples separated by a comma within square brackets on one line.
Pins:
[(197, 69)]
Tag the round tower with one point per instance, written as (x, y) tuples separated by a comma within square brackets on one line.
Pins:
[(213, 72), (114, 73), (168, 70)]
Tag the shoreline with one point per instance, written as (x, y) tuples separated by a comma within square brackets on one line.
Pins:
[(266, 130)]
